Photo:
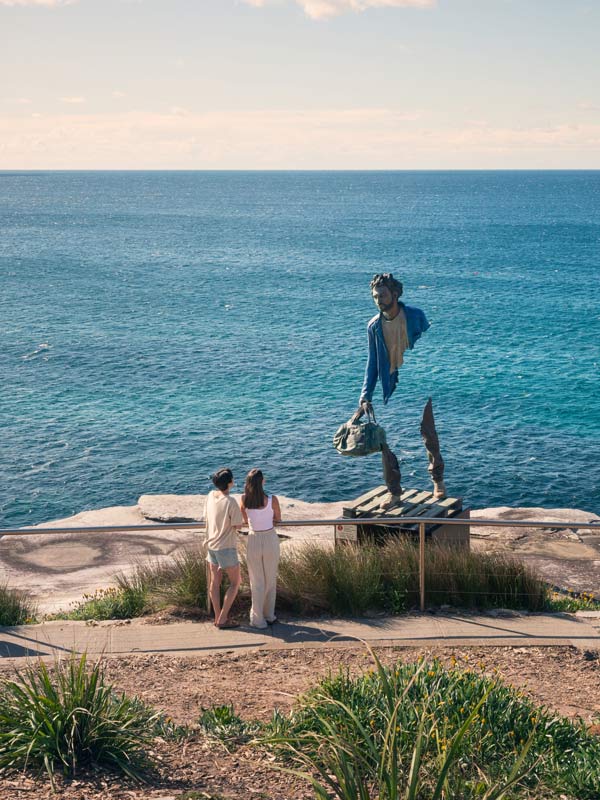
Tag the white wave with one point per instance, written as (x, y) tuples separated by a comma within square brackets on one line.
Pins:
[(40, 349)]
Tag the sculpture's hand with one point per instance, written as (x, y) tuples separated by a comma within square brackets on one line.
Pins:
[(364, 408)]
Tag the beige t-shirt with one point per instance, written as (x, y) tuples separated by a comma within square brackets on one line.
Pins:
[(222, 513), (395, 337)]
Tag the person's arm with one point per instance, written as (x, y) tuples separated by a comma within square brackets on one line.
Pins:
[(370, 380), (243, 510), (276, 510), (235, 516)]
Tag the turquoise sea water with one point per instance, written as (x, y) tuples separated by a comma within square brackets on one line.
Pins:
[(158, 325)]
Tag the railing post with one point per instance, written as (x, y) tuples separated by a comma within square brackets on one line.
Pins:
[(208, 600), (422, 563)]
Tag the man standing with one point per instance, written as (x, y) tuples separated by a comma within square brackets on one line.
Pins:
[(392, 332)]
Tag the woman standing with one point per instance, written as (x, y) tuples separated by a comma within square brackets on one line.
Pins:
[(261, 512), (223, 521)]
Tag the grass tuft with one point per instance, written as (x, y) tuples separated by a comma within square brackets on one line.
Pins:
[(182, 580), (151, 586), (222, 723), (16, 607), (343, 581), (70, 718)]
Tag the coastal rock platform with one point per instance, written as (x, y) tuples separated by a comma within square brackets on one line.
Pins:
[(59, 568), (568, 558)]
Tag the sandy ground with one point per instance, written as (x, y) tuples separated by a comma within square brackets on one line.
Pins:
[(565, 679)]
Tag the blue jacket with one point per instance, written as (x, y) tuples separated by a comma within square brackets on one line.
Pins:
[(378, 362)]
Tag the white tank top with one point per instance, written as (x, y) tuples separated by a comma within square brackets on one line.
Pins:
[(261, 519)]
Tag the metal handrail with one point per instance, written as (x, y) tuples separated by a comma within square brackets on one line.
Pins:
[(388, 522)]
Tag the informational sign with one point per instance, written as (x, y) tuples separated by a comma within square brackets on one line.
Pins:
[(346, 533)]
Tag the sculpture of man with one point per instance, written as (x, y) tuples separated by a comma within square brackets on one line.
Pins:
[(391, 332)]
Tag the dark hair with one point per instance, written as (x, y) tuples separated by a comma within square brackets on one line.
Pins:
[(254, 495), (222, 478), (387, 279)]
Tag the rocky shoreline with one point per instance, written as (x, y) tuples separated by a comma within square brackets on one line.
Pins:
[(59, 568)]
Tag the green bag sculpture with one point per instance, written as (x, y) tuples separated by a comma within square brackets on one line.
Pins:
[(359, 438)]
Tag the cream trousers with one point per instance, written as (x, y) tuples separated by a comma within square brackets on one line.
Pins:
[(262, 556)]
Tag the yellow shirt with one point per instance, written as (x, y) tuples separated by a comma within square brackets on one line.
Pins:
[(222, 515), (395, 337)]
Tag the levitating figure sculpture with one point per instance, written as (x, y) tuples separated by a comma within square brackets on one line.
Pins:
[(392, 332)]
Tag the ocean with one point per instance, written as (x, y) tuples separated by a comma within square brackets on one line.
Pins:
[(158, 325)]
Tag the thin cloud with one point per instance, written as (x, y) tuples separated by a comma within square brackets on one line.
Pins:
[(355, 138), (47, 3), (73, 101), (325, 9)]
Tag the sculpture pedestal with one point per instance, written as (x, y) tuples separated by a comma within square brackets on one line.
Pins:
[(413, 503)]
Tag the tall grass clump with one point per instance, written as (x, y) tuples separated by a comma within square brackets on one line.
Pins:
[(355, 579), (344, 581), (460, 577), (69, 718), (424, 732), (16, 607), (182, 581)]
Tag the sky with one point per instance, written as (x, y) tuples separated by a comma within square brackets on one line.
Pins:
[(299, 84)]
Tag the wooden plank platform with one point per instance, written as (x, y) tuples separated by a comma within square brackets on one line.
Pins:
[(412, 503)]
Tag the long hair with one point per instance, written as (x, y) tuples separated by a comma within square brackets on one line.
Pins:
[(254, 495)]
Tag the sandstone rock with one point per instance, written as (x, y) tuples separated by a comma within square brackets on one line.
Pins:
[(172, 507)]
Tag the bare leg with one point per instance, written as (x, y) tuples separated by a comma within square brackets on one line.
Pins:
[(235, 578), (216, 574), (432, 445)]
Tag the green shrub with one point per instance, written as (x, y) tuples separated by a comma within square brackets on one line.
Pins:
[(111, 603), (371, 730), (16, 607), (71, 718), (570, 601)]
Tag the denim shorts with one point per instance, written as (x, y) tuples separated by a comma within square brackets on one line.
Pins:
[(223, 558)]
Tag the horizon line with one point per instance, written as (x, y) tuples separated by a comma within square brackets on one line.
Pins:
[(33, 170)]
